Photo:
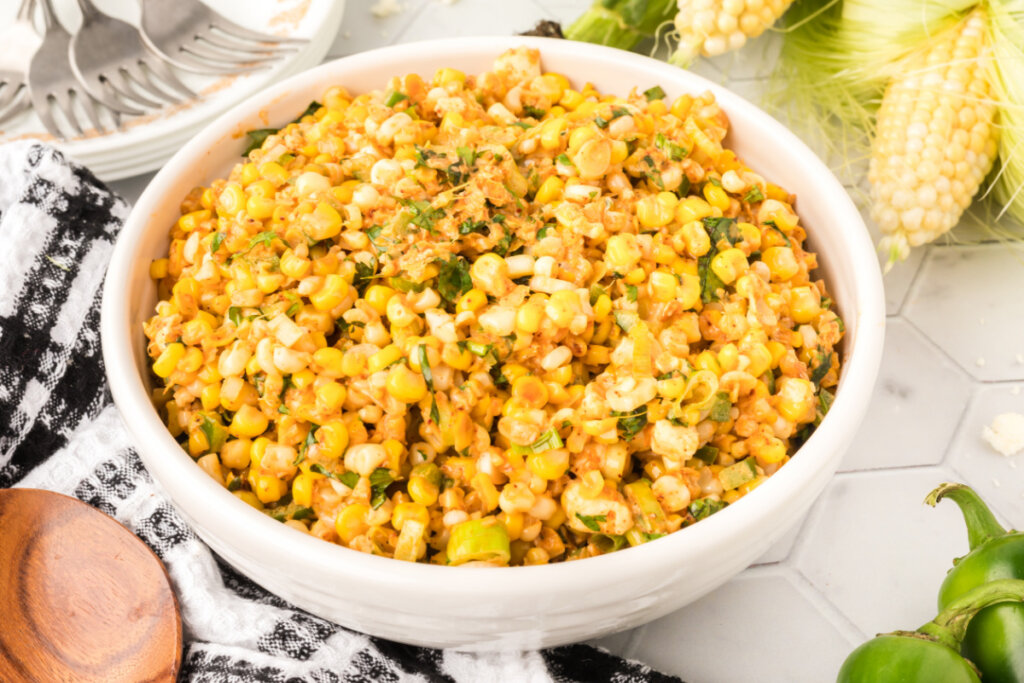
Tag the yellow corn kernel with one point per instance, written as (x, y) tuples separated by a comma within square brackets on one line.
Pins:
[(662, 286), (562, 307), (804, 304), (473, 300), (190, 221), (513, 522), (330, 396), (655, 211), (549, 465), (760, 360), (729, 264), (602, 308), (260, 208), (403, 512), (530, 390), (706, 360), (597, 355), (257, 451), (622, 252), (452, 121), (425, 483), (777, 351), (571, 99), (456, 357), (781, 262), (446, 75), (796, 399), (269, 488), (249, 498), (551, 133), (688, 292), (330, 359), (550, 190), (772, 451), (231, 200), (751, 235), (168, 360), (351, 522), (248, 422), (728, 357), (210, 397), (580, 136), (635, 276), (333, 439), (716, 196), (355, 364), (331, 293), (235, 453), (529, 318), (323, 222), (681, 107), (383, 358), (692, 209), (158, 268), (378, 296), (302, 488), (485, 488), (343, 193), (405, 384)]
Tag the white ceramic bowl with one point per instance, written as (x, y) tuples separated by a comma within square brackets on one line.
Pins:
[(522, 607)]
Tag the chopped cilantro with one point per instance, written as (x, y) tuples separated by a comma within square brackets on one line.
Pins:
[(469, 226), (564, 160), (533, 111), (214, 432), (364, 273), (301, 513), (625, 319), (503, 245), (655, 93), (218, 239), (822, 368), (380, 480), (373, 233), (453, 280), (632, 292), (467, 155), (284, 410), (753, 195), (235, 315), (543, 232), (428, 377), (423, 215), (590, 521), (630, 424), (256, 138), (705, 507), (674, 151), (601, 122), (266, 238)]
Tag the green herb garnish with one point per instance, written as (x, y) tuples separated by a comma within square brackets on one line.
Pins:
[(547, 441), (630, 424), (394, 97), (380, 480), (720, 408), (453, 279), (655, 93), (590, 521)]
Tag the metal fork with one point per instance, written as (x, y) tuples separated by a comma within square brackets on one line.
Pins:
[(20, 41), (50, 80), (112, 62), (195, 38)]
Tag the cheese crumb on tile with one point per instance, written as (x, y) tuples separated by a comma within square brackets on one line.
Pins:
[(1006, 433), (385, 8), (980, 362)]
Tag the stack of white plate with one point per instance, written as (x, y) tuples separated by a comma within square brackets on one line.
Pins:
[(145, 142)]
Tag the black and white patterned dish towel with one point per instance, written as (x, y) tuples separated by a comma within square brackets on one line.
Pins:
[(60, 431)]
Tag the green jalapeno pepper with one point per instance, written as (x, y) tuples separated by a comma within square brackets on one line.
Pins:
[(995, 639), (929, 654)]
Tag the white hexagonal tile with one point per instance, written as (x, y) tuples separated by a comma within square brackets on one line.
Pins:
[(736, 633), (998, 478), (876, 551), (964, 301), (917, 385)]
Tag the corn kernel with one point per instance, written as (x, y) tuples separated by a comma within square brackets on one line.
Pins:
[(550, 190), (248, 422), (302, 488), (388, 355), (550, 464), (804, 304), (158, 268), (729, 264), (529, 318), (378, 296), (781, 262), (168, 359), (333, 438), (405, 384), (330, 396), (351, 522), (473, 300)]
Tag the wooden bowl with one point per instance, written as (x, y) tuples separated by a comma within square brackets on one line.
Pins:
[(82, 598)]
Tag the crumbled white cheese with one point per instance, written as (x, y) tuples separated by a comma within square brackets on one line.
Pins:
[(386, 8), (1006, 433), (980, 362)]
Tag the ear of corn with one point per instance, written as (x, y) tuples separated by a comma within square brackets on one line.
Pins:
[(935, 141), (621, 23), (713, 27)]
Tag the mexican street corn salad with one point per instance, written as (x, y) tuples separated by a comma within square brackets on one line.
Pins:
[(492, 319)]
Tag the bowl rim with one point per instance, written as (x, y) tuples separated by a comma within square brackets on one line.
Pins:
[(189, 486)]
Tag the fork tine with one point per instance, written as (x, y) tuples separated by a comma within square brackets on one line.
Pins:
[(63, 102), (223, 41), (139, 79), (189, 62), (237, 31), (205, 50), (21, 104), (160, 68), (8, 93), (123, 88), (42, 109)]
